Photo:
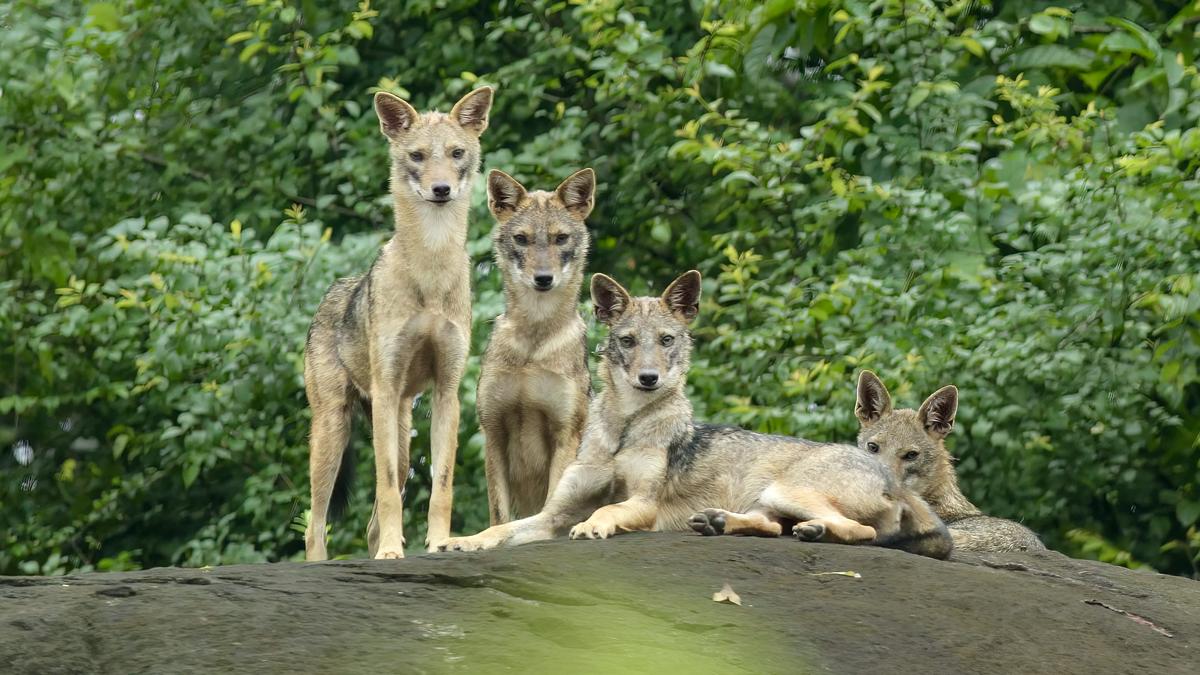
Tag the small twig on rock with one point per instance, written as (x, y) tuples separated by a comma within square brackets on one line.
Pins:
[(849, 573), (1135, 617)]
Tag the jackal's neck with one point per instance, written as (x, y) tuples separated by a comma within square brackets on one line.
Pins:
[(947, 499), (426, 227), (541, 312)]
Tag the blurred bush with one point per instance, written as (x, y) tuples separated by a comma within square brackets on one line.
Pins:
[(1002, 196)]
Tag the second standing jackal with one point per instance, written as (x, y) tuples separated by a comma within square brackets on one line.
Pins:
[(534, 383), (382, 338), (912, 443), (644, 464)]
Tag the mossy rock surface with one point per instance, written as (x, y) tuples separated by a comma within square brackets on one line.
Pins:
[(635, 603)]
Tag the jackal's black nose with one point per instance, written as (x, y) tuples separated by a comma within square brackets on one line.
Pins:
[(441, 190), (648, 378), (543, 281)]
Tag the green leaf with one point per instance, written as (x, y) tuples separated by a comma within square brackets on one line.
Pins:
[(1187, 511), (1144, 75), (190, 471), (917, 97), (1053, 56), (1172, 67), (1147, 41), (1122, 42), (119, 444), (755, 61), (973, 46), (1170, 371), (777, 8), (1052, 27), (1095, 78), (361, 29), (250, 50), (718, 69), (318, 143), (739, 176), (240, 36), (104, 15)]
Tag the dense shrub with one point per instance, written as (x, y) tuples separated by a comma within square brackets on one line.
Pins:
[(1003, 197)]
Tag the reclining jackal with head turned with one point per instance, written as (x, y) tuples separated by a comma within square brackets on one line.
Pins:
[(534, 381), (382, 338), (912, 443), (644, 464)]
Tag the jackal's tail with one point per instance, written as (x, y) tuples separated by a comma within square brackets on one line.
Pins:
[(921, 530), (339, 500)]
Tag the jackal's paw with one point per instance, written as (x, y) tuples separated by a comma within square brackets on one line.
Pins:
[(708, 522), (476, 543), (809, 531), (395, 553), (593, 529)]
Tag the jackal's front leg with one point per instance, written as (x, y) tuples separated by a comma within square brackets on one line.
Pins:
[(631, 515), (565, 450), (495, 464), (390, 424), (451, 361), (583, 484)]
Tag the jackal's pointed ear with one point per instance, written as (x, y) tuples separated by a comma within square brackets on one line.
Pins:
[(609, 298), (578, 192), (395, 115), (874, 401), (504, 194), (471, 111), (937, 412), (682, 296)]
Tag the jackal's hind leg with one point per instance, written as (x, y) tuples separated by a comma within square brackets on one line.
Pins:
[(836, 528), (330, 398), (817, 518), (710, 522)]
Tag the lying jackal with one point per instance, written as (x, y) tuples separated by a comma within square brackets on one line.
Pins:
[(644, 464), (382, 338), (534, 382), (911, 442)]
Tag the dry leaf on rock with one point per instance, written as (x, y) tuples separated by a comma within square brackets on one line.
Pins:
[(726, 594)]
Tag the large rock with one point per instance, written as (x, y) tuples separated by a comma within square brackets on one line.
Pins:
[(636, 603)]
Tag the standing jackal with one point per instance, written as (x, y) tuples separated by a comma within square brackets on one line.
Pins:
[(644, 464), (912, 444), (382, 338), (534, 383)]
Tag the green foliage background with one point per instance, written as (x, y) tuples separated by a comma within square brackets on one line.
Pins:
[(999, 195)]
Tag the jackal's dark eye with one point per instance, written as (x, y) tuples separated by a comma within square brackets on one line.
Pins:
[(873, 446), (458, 153), (667, 340), (521, 239), (562, 239), (416, 156), (910, 455), (627, 341)]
